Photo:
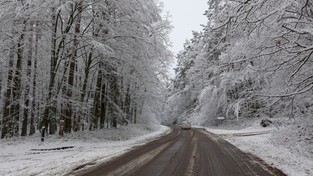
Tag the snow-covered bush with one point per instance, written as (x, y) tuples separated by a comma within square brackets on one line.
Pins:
[(296, 135)]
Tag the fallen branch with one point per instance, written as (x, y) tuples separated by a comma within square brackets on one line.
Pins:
[(58, 148)]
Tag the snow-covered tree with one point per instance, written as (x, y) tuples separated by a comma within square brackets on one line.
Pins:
[(251, 58), (81, 64)]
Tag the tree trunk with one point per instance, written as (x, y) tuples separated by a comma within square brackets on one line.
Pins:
[(84, 88), (32, 128), (87, 72), (7, 119), (114, 97), (97, 97), (135, 115), (127, 103), (49, 120), (76, 119), (28, 80), (17, 80), (103, 105)]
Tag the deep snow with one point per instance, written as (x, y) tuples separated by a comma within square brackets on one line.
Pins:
[(17, 159)]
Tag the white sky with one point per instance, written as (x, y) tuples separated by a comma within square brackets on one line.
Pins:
[(187, 15)]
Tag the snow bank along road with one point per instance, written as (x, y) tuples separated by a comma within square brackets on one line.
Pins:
[(182, 152)]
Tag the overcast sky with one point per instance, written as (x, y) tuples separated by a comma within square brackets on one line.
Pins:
[(187, 15)]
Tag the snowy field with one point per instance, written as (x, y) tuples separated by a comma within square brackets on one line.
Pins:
[(18, 159), (287, 148)]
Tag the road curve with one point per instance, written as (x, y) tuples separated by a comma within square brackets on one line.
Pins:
[(181, 153)]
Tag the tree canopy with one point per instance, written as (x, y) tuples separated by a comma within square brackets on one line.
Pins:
[(253, 58), (71, 65)]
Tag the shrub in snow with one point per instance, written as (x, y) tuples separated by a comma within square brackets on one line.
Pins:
[(297, 137), (265, 122)]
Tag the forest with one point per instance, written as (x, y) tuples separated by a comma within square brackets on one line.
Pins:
[(75, 65), (86, 86), (252, 60)]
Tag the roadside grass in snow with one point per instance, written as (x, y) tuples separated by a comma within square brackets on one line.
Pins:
[(287, 146), (18, 159)]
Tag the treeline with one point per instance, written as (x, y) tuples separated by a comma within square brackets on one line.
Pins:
[(87, 64), (252, 59)]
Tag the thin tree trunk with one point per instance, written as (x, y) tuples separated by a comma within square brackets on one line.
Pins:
[(32, 128), (135, 115), (87, 72), (127, 103), (103, 105)]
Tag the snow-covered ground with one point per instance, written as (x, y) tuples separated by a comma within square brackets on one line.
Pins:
[(280, 147), (17, 158), (288, 148)]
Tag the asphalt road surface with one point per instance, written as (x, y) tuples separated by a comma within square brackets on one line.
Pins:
[(181, 153)]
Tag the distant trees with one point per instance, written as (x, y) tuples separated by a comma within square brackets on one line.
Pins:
[(91, 64), (255, 55)]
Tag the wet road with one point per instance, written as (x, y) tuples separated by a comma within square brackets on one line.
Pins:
[(181, 153)]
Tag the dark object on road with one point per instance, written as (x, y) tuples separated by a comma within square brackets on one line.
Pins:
[(265, 122), (185, 125)]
